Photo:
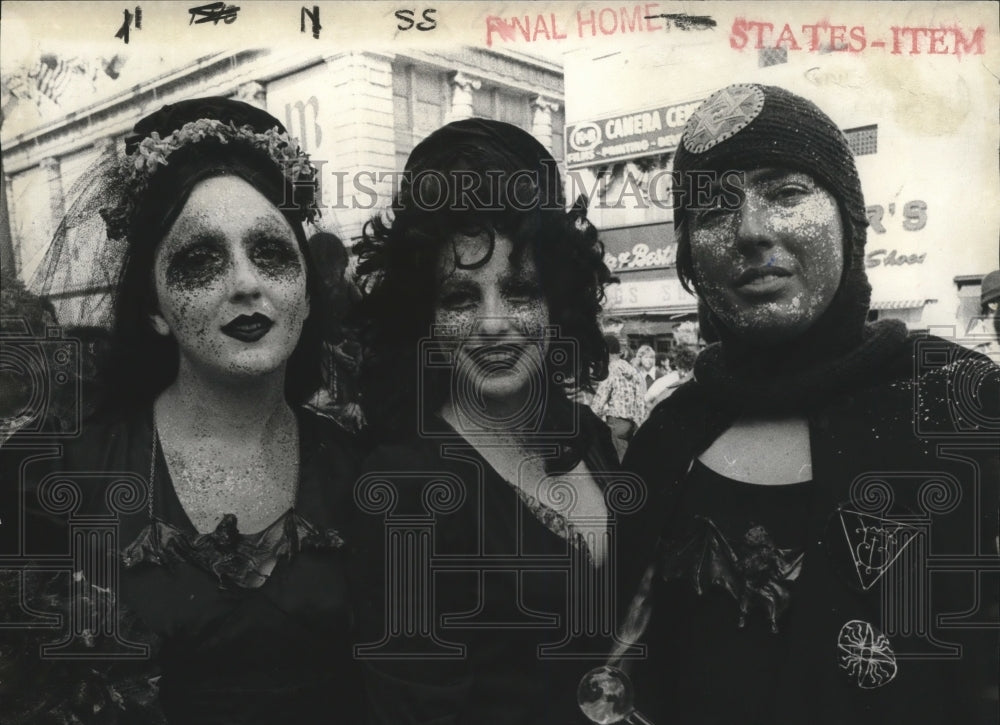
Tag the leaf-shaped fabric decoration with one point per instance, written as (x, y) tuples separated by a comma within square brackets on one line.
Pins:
[(237, 560)]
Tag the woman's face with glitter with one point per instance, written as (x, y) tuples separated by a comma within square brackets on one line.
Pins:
[(496, 315), (230, 282), (770, 268)]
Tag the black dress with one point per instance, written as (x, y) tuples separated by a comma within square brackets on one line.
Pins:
[(725, 589), (233, 647), (488, 637), (902, 456)]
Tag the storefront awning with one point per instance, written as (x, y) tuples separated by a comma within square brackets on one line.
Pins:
[(900, 304), (673, 313)]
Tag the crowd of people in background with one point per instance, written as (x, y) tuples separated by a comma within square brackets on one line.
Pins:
[(638, 380)]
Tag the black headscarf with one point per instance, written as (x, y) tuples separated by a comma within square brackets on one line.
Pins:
[(515, 149)]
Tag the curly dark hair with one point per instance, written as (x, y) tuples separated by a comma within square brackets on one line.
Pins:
[(398, 275), (682, 357)]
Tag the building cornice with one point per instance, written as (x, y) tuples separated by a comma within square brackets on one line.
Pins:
[(530, 75), (220, 73)]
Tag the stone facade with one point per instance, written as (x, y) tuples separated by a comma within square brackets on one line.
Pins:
[(356, 113)]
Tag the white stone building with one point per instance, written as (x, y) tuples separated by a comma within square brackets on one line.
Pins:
[(357, 113)]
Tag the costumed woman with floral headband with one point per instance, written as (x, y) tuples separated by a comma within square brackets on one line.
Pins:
[(824, 491), (230, 552)]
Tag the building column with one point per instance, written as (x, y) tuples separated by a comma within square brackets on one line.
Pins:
[(254, 93), (541, 119), (106, 145), (53, 178), (354, 108), (462, 86), (8, 254)]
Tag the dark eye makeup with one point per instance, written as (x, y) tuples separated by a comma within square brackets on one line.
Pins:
[(522, 289), (458, 295), (275, 257), (196, 265), (205, 258)]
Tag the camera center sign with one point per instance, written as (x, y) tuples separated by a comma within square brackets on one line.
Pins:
[(627, 136)]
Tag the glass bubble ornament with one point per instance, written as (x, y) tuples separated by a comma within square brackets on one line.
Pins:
[(606, 696)]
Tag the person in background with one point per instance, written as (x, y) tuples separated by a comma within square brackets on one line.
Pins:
[(683, 358), (662, 364), (802, 482), (983, 332), (618, 400), (989, 299), (683, 365), (645, 363), (339, 396)]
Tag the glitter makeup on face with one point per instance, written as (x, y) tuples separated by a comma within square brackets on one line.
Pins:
[(230, 280), (770, 268), (277, 257), (202, 258), (197, 265), (503, 288), (499, 303)]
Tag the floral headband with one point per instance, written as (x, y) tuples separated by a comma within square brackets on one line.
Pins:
[(152, 152)]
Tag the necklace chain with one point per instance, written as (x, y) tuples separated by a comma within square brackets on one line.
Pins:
[(152, 474)]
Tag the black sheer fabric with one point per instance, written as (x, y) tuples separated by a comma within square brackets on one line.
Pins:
[(229, 653)]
